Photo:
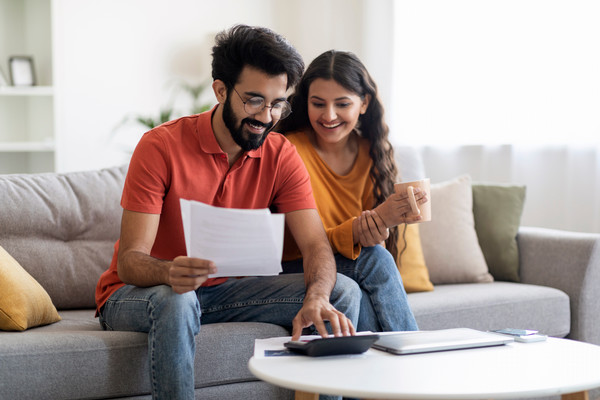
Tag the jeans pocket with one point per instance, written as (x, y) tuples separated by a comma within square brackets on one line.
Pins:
[(105, 326)]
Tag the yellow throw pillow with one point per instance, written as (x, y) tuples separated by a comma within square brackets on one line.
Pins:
[(23, 301), (410, 260)]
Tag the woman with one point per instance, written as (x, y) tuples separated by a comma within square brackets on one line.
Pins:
[(338, 128)]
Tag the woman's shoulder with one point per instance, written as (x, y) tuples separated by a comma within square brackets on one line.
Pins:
[(302, 143), (298, 137)]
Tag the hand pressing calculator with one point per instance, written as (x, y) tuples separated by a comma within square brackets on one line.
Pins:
[(333, 346)]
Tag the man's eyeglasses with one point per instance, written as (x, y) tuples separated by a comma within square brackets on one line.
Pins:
[(256, 104)]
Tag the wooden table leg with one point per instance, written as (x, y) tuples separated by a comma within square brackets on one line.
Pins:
[(576, 396), (300, 395)]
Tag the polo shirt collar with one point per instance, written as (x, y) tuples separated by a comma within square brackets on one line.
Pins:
[(208, 140)]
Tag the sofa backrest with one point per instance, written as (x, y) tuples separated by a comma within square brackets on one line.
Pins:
[(62, 228)]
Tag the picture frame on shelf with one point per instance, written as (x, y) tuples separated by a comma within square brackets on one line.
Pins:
[(21, 70)]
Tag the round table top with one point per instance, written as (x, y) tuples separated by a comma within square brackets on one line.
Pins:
[(515, 370)]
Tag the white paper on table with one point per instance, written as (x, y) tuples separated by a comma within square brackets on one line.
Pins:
[(262, 347), (239, 242)]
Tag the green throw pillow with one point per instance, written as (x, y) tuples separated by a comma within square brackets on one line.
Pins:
[(497, 211)]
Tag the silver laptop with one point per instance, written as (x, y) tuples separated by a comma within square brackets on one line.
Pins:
[(440, 340)]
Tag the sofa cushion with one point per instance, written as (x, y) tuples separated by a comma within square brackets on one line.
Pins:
[(410, 260), (494, 305), (23, 301), (497, 211), (62, 228), (449, 240), (115, 364)]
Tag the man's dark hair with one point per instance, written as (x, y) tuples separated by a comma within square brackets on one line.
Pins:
[(258, 47)]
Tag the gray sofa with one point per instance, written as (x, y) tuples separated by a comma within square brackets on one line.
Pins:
[(62, 227)]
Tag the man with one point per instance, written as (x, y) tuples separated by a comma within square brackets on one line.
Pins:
[(225, 157)]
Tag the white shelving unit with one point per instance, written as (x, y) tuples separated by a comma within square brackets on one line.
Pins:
[(27, 113), (26, 91)]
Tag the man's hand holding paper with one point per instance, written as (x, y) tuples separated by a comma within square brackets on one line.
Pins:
[(187, 273), (238, 242)]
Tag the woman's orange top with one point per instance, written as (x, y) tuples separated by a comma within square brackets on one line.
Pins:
[(340, 198)]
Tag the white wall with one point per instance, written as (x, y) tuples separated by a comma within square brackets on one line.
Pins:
[(497, 72), (116, 58)]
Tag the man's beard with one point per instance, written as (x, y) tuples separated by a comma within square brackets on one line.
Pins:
[(253, 141)]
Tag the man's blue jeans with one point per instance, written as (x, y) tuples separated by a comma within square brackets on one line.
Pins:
[(173, 320), (384, 306)]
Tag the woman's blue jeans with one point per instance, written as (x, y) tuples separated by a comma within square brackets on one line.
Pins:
[(384, 306), (173, 320)]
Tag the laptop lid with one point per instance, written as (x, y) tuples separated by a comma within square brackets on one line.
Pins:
[(439, 340)]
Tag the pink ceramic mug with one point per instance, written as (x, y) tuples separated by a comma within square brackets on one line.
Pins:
[(408, 187)]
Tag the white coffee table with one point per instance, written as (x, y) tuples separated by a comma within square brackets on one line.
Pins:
[(516, 370)]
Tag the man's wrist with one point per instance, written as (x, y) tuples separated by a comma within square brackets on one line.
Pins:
[(316, 295)]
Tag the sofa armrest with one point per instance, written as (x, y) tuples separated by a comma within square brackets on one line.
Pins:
[(568, 261)]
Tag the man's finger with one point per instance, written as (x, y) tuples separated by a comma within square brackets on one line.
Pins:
[(296, 329), (187, 271), (334, 321), (321, 328), (351, 327), (345, 325)]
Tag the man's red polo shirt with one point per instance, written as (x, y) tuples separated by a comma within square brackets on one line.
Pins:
[(182, 159)]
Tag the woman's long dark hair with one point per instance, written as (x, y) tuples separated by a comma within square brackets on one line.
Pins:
[(348, 71)]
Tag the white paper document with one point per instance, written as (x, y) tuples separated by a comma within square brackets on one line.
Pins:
[(239, 242)]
